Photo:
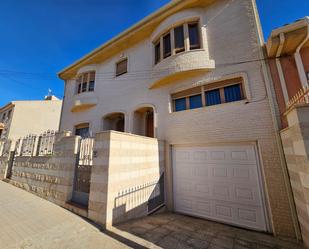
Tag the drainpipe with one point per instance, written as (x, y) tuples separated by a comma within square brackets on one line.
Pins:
[(279, 68), (298, 59)]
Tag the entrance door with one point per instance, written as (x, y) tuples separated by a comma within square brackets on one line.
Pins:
[(220, 183), (81, 188), (149, 124)]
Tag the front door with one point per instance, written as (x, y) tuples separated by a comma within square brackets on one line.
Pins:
[(149, 124)]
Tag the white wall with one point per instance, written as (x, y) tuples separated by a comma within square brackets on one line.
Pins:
[(34, 117), (231, 38)]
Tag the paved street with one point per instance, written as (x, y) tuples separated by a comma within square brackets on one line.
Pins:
[(28, 222)]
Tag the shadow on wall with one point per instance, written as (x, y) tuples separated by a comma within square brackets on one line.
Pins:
[(138, 201)]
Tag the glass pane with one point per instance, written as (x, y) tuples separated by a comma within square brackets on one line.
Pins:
[(213, 97), (92, 76), (179, 39), (84, 87), (85, 78), (79, 88), (157, 52), (91, 86), (83, 132), (232, 93), (194, 36), (180, 105), (196, 101), (167, 45)]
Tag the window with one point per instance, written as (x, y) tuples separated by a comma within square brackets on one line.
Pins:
[(157, 52), (194, 36), (216, 93), (180, 104), (86, 82), (179, 39), (82, 130), (79, 84), (167, 50), (9, 113), (178, 45), (195, 101), (91, 82), (213, 97), (121, 67), (232, 93), (84, 87), (3, 116)]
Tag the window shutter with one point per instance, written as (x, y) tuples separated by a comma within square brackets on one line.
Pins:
[(122, 67)]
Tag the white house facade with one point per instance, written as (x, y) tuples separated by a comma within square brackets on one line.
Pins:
[(192, 74)]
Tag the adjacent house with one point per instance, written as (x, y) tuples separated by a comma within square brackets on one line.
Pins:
[(288, 50), (21, 118), (193, 74)]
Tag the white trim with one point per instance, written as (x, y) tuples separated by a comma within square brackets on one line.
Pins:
[(299, 61), (282, 81), (279, 69)]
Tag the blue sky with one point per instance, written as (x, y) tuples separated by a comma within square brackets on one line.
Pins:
[(41, 37)]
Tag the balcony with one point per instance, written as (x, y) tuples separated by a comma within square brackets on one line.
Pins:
[(181, 66), (83, 102)]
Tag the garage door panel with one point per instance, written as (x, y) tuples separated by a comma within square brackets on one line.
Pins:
[(225, 172), (219, 183)]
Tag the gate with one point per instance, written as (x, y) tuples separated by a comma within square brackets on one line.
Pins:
[(84, 162), (152, 194), (157, 198)]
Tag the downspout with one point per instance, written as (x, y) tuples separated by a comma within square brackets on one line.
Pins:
[(298, 59), (267, 74), (279, 68)]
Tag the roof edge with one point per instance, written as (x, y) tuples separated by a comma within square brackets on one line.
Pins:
[(123, 34), (8, 105), (290, 27)]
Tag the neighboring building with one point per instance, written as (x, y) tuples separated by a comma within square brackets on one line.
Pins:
[(288, 49), (193, 74), (21, 118)]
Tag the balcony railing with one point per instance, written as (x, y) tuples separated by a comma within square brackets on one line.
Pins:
[(302, 97)]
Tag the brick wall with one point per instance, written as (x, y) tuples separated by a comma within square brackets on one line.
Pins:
[(50, 177), (295, 140), (124, 176)]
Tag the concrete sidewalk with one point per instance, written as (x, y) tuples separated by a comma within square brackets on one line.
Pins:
[(28, 222)]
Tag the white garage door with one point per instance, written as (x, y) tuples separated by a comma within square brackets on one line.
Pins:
[(219, 183)]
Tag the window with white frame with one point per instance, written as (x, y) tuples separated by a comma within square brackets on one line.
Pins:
[(86, 82), (173, 45)]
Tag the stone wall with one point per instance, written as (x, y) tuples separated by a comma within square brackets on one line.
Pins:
[(50, 177), (295, 141), (3, 166), (125, 174)]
